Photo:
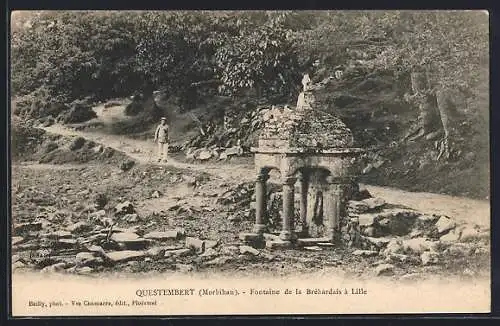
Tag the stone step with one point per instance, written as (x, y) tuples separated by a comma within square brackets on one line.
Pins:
[(278, 244), (312, 241)]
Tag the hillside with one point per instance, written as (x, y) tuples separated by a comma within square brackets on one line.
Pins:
[(412, 87)]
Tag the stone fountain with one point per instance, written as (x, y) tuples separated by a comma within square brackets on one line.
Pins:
[(313, 147)]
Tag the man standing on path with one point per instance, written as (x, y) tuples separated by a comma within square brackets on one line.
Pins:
[(161, 136)]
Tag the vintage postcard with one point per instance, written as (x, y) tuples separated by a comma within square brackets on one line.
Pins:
[(175, 163)]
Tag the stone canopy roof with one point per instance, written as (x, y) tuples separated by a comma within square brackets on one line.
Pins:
[(304, 128)]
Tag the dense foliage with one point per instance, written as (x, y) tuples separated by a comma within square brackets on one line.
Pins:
[(60, 57)]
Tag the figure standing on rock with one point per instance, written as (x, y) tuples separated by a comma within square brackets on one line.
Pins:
[(161, 136)]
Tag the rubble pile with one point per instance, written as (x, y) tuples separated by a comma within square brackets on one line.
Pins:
[(221, 141), (402, 235), (96, 244)]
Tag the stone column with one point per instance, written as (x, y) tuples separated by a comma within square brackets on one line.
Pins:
[(287, 232), (261, 204), (332, 204), (304, 185)]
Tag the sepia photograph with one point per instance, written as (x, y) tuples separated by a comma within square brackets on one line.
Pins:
[(170, 163)]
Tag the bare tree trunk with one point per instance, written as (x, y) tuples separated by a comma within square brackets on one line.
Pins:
[(448, 113), (428, 114)]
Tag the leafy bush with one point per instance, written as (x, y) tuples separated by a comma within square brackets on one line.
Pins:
[(135, 107), (77, 143), (78, 113), (24, 139)]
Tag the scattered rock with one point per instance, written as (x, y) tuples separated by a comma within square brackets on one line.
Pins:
[(249, 250), (184, 267), (458, 250), (58, 267), (178, 252), (384, 270), (209, 253), (156, 252), (416, 234), (452, 236), (394, 246), (98, 149), (156, 194), (131, 218), (427, 218), (84, 270), (429, 257), (396, 222), (125, 255), (79, 227), (211, 244), (98, 214), (124, 236), (16, 240), (163, 235), (181, 232), (419, 245), (470, 234), (365, 253), (444, 224), (130, 240), (59, 235), (235, 150), (87, 258), (174, 247), (97, 250), (378, 242), (374, 203), (366, 220), (15, 258), (398, 258), (230, 250), (27, 227), (204, 155), (66, 243), (124, 208), (219, 261), (357, 207), (249, 237), (269, 236), (17, 265), (196, 244), (369, 231)]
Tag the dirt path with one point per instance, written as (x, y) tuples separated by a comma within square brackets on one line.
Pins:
[(462, 209), (145, 152)]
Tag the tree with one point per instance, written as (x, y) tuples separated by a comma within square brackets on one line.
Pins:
[(263, 58), (443, 51)]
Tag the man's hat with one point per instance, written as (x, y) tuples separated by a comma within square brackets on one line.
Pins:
[(163, 118)]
